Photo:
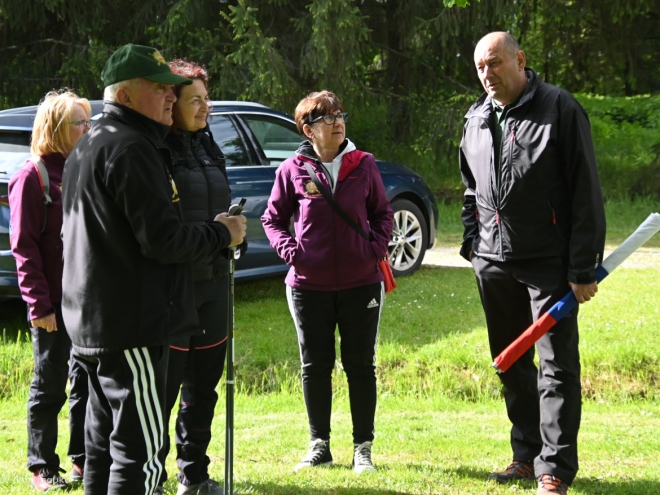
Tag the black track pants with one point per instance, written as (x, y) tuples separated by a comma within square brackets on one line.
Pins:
[(356, 312), (53, 365), (544, 405), (125, 421)]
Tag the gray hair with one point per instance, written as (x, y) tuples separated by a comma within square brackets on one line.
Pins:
[(110, 92)]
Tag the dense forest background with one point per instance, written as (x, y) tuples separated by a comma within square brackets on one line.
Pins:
[(404, 68)]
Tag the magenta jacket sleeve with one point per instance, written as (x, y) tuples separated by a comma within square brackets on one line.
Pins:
[(27, 216), (277, 217)]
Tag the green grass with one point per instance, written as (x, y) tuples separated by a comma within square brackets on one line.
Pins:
[(424, 446), (441, 425)]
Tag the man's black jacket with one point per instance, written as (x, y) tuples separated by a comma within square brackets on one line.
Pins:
[(546, 201), (127, 280)]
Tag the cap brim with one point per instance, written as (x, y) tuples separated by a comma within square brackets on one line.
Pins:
[(168, 78)]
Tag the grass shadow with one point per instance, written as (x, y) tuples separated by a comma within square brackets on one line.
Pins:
[(13, 318)]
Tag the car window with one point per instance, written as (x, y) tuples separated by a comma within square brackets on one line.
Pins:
[(15, 141), (14, 150), (278, 138), (230, 142)]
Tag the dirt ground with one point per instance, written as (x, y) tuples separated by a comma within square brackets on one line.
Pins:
[(444, 255)]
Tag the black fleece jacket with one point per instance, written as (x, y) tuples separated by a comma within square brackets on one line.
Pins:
[(546, 199), (127, 280)]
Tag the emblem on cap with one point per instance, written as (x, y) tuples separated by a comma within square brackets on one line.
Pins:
[(158, 57)]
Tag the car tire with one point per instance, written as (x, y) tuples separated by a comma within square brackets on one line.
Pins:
[(410, 237)]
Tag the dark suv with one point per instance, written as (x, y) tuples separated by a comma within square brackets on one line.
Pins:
[(255, 140)]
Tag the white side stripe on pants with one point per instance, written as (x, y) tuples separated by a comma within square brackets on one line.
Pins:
[(149, 411)]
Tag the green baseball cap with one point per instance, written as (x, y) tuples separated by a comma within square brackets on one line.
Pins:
[(131, 61)]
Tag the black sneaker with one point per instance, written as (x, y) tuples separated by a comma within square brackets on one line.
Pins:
[(318, 455), (47, 479), (362, 458), (516, 471)]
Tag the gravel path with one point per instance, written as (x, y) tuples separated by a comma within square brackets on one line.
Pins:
[(444, 255)]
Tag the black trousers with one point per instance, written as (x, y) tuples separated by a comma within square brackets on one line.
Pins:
[(356, 312), (544, 404), (53, 365), (195, 368), (125, 421)]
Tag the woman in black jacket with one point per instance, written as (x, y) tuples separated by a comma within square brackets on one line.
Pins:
[(197, 362)]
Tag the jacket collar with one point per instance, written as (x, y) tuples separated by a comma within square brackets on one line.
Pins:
[(483, 107), (187, 139), (53, 162), (152, 129), (350, 157)]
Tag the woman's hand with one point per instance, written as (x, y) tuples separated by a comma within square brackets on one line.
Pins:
[(49, 323)]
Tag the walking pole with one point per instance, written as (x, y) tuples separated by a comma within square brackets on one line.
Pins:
[(229, 429)]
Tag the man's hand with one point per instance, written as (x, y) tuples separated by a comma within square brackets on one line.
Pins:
[(584, 292), (237, 226), (49, 323)]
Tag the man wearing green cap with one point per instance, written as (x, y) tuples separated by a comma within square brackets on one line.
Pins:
[(128, 288)]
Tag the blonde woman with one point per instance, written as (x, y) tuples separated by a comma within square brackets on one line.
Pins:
[(36, 221)]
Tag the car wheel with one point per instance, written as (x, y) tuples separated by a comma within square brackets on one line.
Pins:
[(409, 238)]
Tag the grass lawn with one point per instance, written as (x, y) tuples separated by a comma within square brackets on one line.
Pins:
[(424, 446), (441, 425)]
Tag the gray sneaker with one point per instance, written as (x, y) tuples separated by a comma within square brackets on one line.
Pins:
[(362, 458), (208, 487), (318, 455)]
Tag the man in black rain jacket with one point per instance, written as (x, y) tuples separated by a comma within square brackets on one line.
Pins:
[(534, 229)]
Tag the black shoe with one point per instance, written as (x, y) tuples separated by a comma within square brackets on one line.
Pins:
[(318, 455), (516, 471)]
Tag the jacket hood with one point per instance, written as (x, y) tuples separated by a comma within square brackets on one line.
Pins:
[(483, 106), (349, 155)]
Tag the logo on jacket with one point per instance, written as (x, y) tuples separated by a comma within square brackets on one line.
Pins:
[(175, 191), (372, 304), (311, 190)]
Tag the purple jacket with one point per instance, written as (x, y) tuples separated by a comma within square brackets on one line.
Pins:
[(326, 253), (38, 254)]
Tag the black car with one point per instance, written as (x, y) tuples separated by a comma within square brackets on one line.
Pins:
[(255, 140)]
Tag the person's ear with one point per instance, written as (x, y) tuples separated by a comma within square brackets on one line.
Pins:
[(520, 56), (307, 130), (123, 97)]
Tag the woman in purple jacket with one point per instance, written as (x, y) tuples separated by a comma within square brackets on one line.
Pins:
[(334, 280), (36, 222)]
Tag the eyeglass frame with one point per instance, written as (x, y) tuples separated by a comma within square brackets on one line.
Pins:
[(335, 116), (86, 123)]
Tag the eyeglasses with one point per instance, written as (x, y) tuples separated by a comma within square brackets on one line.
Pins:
[(330, 119), (85, 123)]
